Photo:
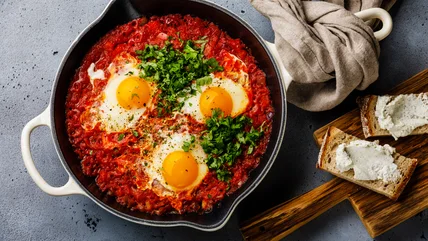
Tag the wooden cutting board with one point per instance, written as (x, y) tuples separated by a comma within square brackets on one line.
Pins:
[(377, 212)]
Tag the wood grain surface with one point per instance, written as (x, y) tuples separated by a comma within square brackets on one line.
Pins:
[(377, 212)]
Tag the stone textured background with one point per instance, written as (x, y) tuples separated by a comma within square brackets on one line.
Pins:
[(34, 35)]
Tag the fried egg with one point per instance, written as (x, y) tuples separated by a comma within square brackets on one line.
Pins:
[(171, 169), (229, 91), (125, 98), (223, 93)]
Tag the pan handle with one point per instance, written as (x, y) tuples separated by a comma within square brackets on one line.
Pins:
[(382, 15), (71, 187), (367, 14)]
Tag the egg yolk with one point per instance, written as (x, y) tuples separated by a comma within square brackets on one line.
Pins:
[(132, 93), (180, 169), (215, 98)]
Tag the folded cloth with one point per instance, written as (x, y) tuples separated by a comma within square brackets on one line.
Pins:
[(327, 50)]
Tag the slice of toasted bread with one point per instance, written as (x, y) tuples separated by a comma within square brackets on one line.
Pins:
[(327, 161), (370, 123)]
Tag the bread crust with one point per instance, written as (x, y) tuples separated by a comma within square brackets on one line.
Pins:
[(405, 180), (328, 148), (321, 155), (366, 118)]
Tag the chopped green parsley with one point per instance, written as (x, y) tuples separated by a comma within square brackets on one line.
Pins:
[(131, 118), (173, 71), (135, 95), (224, 139), (188, 144)]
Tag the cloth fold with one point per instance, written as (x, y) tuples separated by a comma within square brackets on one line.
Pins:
[(327, 50)]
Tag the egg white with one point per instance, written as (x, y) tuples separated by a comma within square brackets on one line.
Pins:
[(93, 75)]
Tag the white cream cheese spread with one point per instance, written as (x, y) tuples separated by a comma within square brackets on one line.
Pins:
[(369, 160), (402, 114)]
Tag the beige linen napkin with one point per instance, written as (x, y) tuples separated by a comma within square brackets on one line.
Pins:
[(327, 50)]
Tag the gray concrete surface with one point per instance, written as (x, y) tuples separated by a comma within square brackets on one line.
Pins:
[(34, 36)]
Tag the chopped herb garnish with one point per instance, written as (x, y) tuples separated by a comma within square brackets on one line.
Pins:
[(174, 71), (131, 118), (188, 144), (135, 133), (135, 95), (120, 137), (209, 196), (206, 80), (91, 152), (250, 150), (130, 73), (224, 139)]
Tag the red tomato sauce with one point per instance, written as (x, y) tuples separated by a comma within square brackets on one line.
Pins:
[(114, 163)]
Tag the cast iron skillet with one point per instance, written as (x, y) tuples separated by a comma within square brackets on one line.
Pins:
[(122, 11)]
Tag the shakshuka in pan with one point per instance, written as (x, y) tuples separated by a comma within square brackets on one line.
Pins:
[(169, 114)]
